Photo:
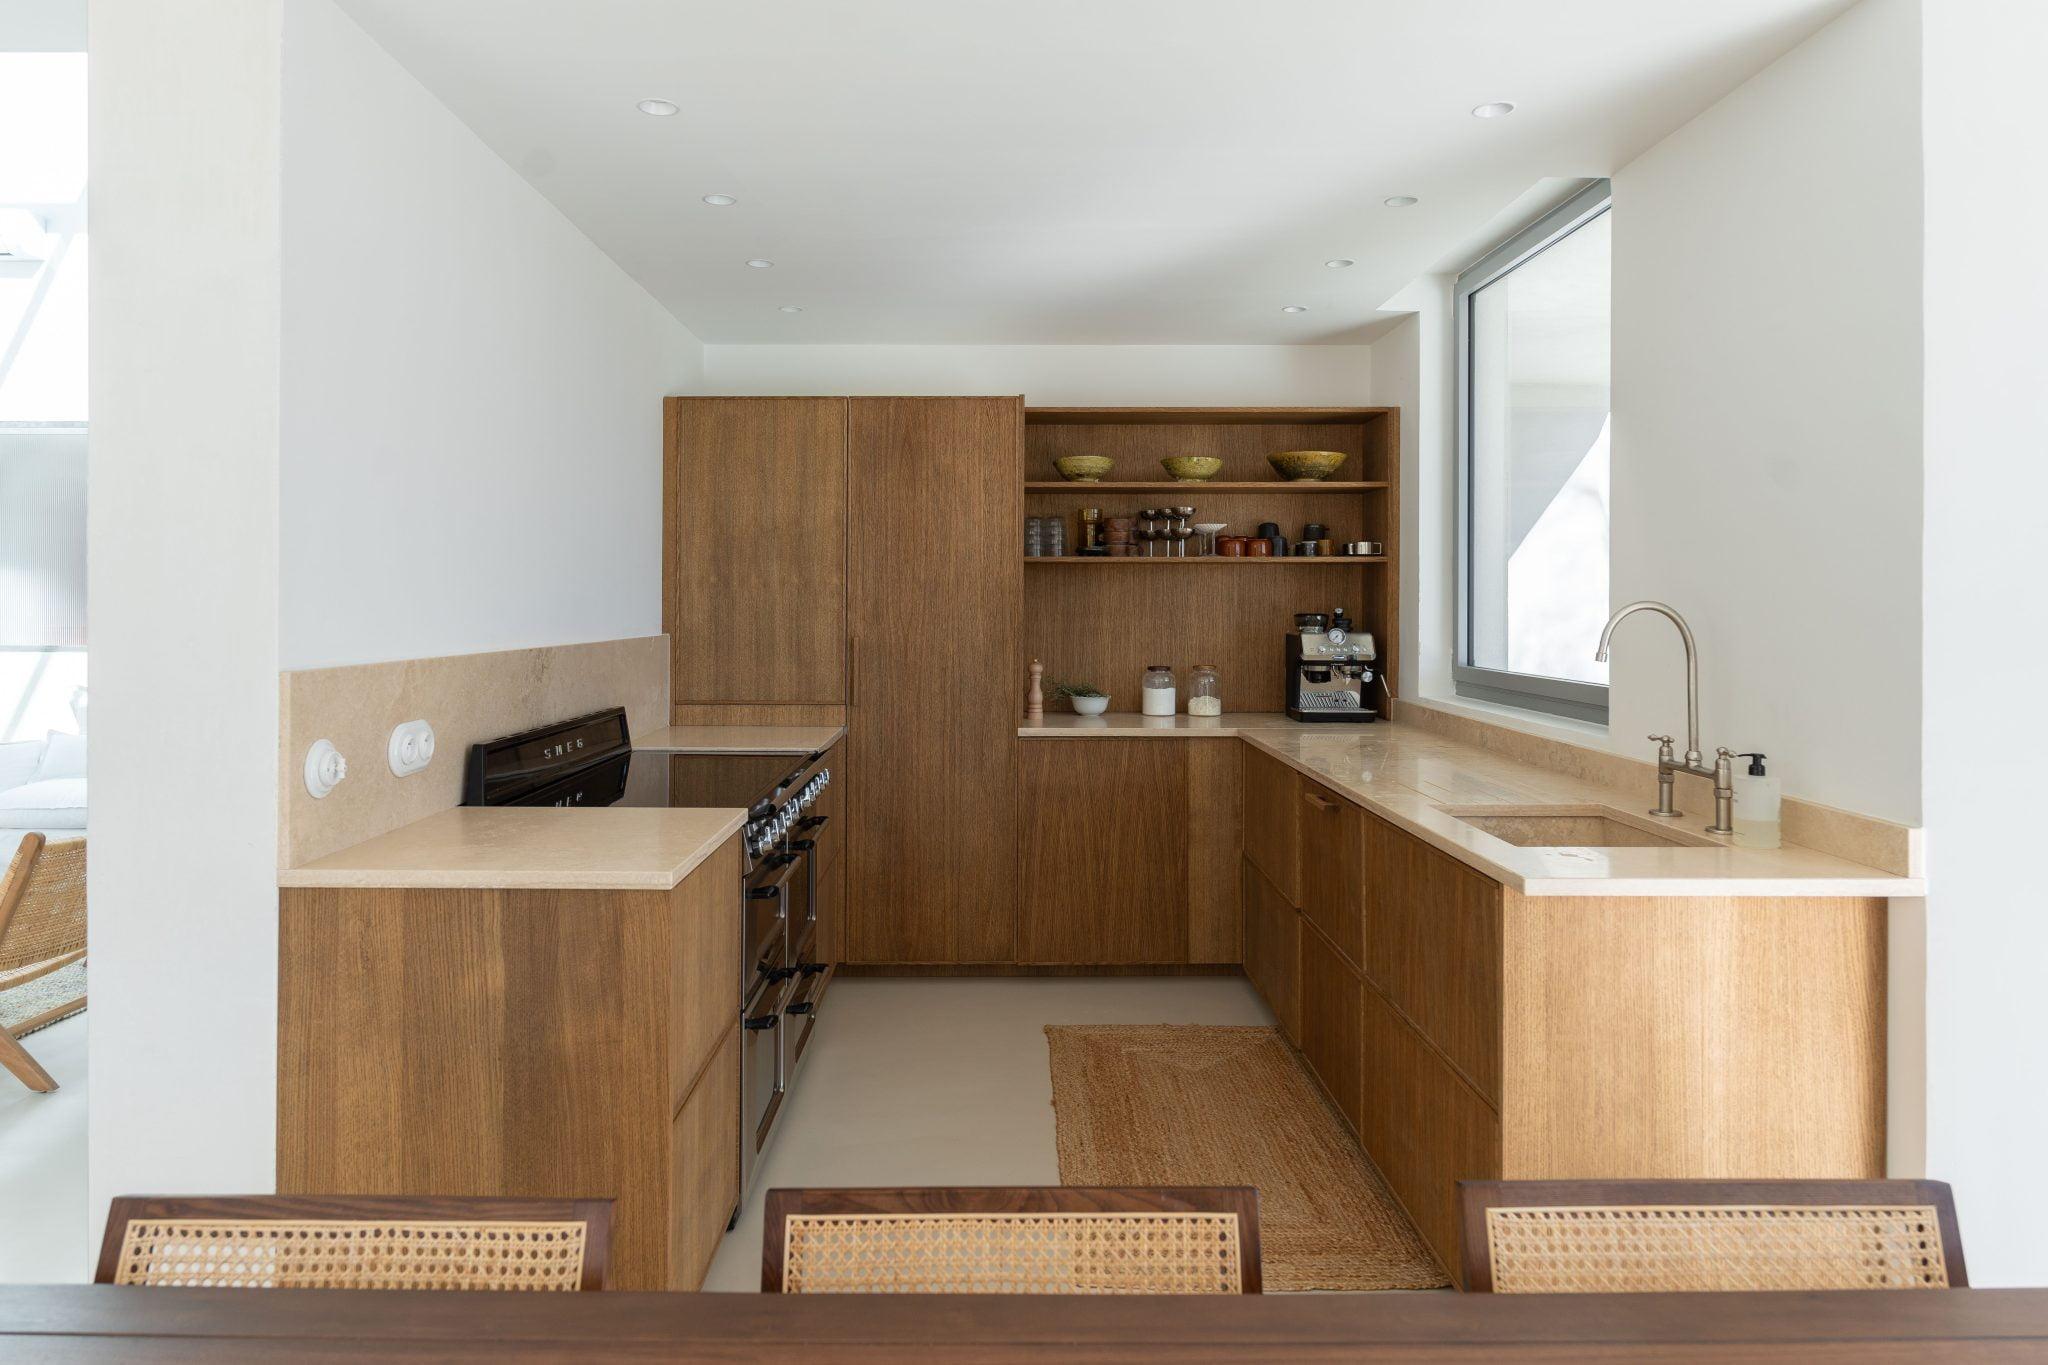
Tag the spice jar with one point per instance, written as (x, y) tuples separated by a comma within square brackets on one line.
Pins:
[(1091, 530), (1159, 692), (1205, 691)]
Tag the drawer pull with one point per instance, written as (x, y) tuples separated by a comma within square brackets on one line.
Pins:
[(1318, 801)]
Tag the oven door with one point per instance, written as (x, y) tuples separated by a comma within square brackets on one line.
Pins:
[(774, 907), (762, 1074)]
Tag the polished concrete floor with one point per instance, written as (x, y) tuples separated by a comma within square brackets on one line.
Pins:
[(43, 1235), (945, 1082)]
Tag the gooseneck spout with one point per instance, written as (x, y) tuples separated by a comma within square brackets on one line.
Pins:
[(1692, 669)]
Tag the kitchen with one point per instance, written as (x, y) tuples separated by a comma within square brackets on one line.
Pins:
[(669, 623)]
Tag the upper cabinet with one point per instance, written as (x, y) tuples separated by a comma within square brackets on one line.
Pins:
[(754, 553)]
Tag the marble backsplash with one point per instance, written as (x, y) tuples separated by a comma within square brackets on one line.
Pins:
[(466, 698)]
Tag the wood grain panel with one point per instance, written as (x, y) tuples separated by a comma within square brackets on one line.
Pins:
[(1423, 1126), (727, 713), (754, 556), (704, 965), (936, 595), (1332, 868), (1103, 852), (1433, 945), (704, 1165), (1272, 949), (1272, 821), (1215, 850), (1332, 1018), (1694, 1038)]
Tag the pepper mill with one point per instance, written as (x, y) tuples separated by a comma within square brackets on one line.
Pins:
[(1034, 701)]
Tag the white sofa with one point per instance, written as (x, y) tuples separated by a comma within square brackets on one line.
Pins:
[(42, 787)]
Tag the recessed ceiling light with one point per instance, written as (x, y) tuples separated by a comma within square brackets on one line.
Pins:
[(1340, 264), (658, 108), (1402, 201), (791, 308), (1498, 109), (720, 200), (1294, 308), (760, 264)]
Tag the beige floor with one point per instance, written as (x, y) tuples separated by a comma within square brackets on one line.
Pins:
[(945, 1082), (43, 1233)]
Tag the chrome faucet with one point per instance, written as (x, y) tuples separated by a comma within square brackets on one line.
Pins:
[(1722, 774)]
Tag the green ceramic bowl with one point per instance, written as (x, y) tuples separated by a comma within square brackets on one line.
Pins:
[(1302, 466), (1083, 468), (1192, 468)]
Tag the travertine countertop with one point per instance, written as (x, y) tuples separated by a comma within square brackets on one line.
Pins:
[(740, 739), (519, 848), (1407, 775)]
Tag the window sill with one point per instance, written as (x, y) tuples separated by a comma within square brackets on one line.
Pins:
[(1514, 718)]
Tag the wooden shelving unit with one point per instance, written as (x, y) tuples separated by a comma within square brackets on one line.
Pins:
[(1104, 628)]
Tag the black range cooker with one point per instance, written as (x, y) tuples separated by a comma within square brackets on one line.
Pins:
[(589, 762)]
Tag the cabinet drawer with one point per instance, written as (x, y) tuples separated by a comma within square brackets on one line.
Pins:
[(1272, 949), (1433, 944), (704, 1166), (1332, 856), (1423, 1127), (704, 963), (1332, 1001), (1272, 821)]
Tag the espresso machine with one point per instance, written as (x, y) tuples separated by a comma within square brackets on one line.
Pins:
[(1330, 673)]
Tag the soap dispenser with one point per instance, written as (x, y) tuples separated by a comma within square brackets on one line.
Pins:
[(1756, 805)]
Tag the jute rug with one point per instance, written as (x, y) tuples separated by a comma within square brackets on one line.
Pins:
[(1200, 1105)]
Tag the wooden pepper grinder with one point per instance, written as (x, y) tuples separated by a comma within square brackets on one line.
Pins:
[(1034, 701)]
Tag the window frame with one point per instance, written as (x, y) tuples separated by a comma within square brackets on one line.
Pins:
[(1527, 691)]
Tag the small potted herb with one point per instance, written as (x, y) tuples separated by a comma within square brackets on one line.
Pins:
[(1086, 700)]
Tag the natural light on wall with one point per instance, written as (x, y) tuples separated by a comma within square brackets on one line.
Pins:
[(42, 392)]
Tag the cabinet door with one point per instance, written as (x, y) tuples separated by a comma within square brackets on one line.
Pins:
[(1423, 1127), (936, 602), (1332, 852), (1103, 845), (1272, 821), (1272, 949), (1332, 999), (754, 549), (1433, 944), (704, 964), (1215, 850), (704, 1166)]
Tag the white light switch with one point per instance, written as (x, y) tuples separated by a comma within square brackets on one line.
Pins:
[(412, 747)]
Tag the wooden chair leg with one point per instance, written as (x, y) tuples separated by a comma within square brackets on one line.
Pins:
[(26, 1069)]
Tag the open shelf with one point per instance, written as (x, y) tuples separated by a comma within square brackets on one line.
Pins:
[(1211, 486), (1340, 561)]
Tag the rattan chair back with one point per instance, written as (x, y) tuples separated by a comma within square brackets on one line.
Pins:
[(42, 909)]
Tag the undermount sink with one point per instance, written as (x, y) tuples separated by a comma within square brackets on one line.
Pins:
[(1574, 827)]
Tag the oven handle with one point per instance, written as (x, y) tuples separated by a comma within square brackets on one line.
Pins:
[(762, 1021)]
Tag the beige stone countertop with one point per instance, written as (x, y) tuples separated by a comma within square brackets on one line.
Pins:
[(740, 739), (1408, 776), (519, 848)]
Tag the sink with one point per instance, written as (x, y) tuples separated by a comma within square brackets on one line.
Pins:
[(1574, 827)]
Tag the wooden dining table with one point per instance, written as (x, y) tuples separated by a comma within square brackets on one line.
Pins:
[(108, 1323)]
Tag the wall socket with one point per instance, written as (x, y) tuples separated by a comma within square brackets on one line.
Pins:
[(412, 747)]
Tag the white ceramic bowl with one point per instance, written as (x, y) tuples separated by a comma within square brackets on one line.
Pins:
[(1089, 706)]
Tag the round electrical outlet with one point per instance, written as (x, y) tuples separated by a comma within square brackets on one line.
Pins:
[(325, 767)]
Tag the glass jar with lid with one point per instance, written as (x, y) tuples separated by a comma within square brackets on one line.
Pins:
[(1159, 693), (1205, 691)]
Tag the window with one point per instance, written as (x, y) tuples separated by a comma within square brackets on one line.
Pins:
[(1533, 360)]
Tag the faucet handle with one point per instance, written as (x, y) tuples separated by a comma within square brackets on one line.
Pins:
[(1664, 750), (1661, 739)]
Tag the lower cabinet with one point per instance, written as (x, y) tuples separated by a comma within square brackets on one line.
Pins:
[(704, 1166), (1332, 1023), (1272, 949)]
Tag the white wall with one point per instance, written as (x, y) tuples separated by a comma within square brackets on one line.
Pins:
[(1766, 432), (182, 553), (1986, 631), (464, 372), (1413, 369), (1075, 376)]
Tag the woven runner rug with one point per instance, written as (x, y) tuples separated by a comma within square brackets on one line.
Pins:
[(44, 993), (1175, 1104)]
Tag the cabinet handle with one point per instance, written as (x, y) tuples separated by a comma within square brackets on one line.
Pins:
[(852, 653), (1318, 801)]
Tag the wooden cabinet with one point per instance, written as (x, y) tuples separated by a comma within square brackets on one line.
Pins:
[(1103, 852), (704, 1164), (1332, 855), (1272, 821), (1332, 1004), (1215, 850), (935, 599), (1272, 948), (754, 560), (1433, 945), (1423, 1126)]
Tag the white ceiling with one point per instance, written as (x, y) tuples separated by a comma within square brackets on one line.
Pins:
[(1062, 171)]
